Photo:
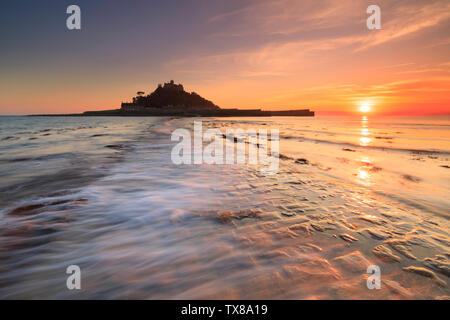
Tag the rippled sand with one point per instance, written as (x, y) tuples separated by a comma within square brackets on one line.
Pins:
[(148, 229)]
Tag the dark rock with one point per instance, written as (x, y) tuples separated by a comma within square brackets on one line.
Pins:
[(411, 178), (115, 146), (302, 161), (283, 157)]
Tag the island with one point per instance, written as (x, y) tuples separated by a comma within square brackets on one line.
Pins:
[(171, 99)]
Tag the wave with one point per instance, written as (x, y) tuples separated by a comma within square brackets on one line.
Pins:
[(61, 156)]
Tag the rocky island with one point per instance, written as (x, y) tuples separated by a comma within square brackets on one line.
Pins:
[(171, 99)]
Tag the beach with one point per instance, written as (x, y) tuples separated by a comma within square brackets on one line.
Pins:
[(103, 194)]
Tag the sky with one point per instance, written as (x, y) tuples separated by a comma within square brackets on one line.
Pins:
[(267, 54)]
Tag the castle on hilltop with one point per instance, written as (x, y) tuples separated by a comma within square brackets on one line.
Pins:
[(170, 99), (168, 96), (172, 86)]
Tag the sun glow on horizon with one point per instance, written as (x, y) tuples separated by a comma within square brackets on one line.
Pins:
[(365, 106)]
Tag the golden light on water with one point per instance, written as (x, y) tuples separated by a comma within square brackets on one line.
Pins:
[(364, 141), (363, 176), (364, 172)]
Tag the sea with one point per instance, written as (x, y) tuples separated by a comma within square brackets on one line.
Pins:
[(103, 193)]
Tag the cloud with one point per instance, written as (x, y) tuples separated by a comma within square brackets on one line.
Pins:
[(298, 20), (406, 20), (287, 17), (272, 59), (286, 35), (274, 53)]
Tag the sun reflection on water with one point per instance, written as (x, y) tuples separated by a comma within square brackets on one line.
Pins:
[(364, 172), (364, 140), (363, 175)]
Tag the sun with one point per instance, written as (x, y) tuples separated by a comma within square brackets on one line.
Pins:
[(364, 107)]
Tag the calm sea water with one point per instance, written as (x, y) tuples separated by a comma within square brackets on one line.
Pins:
[(405, 158), (101, 192)]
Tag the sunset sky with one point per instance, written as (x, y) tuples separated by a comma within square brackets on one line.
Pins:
[(248, 54)]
